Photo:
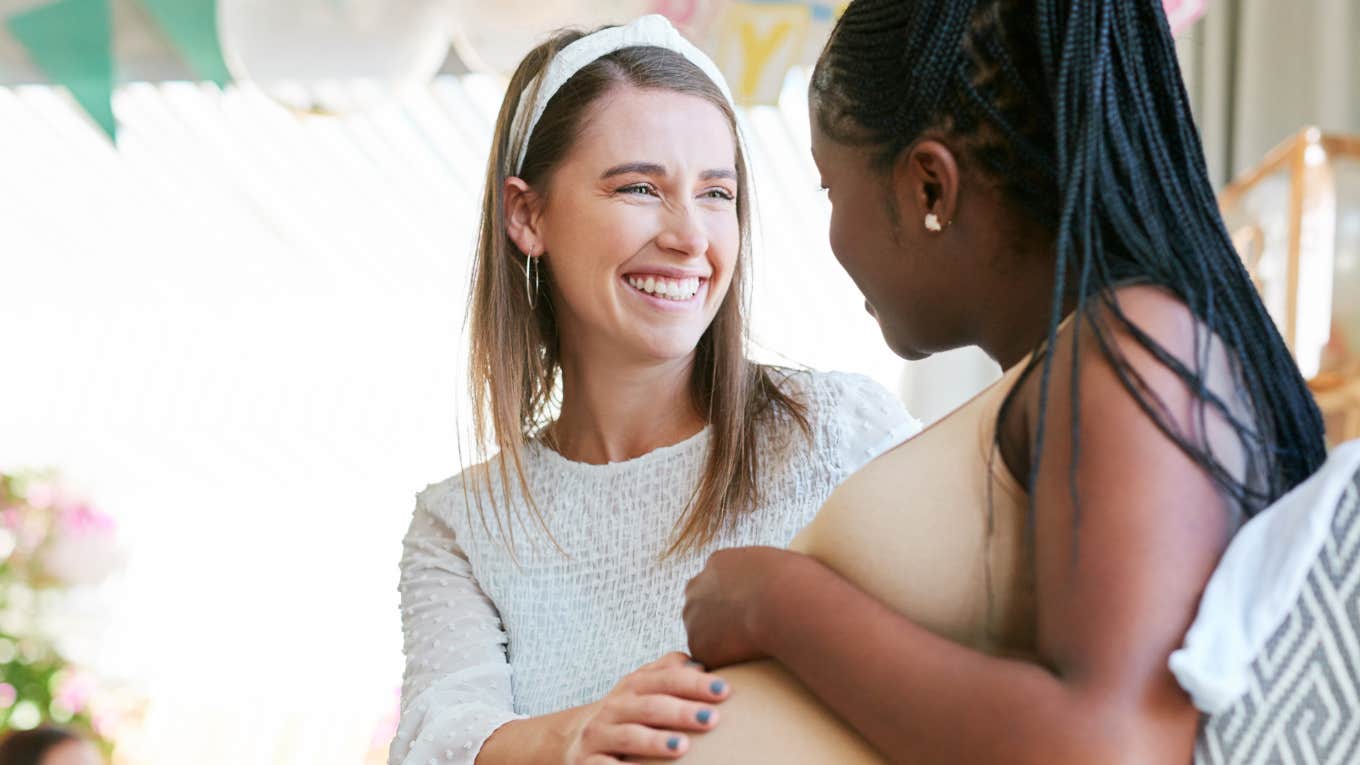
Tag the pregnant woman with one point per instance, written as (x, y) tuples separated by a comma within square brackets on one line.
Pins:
[(1024, 176), (633, 435)]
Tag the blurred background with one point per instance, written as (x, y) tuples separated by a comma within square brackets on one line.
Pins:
[(234, 253)]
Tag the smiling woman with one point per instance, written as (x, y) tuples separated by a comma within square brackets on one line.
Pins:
[(669, 213), (631, 434)]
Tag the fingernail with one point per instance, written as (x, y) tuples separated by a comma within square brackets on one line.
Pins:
[(693, 663), (673, 743), (704, 716), (717, 687)]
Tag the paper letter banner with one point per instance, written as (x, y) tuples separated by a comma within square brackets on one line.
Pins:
[(757, 43)]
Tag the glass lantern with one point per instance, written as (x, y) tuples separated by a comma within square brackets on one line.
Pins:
[(1295, 219)]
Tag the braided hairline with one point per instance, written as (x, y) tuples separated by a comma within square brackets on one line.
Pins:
[(985, 105)]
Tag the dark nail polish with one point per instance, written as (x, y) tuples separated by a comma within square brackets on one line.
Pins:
[(717, 687), (704, 716), (673, 743)]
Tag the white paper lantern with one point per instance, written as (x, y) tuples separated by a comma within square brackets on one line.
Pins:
[(493, 36), (334, 56)]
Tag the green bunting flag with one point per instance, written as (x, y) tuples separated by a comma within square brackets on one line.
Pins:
[(191, 26), (69, 40)]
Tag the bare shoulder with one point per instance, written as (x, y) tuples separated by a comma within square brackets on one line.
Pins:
[(1118, 358), (1157, 312), (1162, 351), (1125, 330)]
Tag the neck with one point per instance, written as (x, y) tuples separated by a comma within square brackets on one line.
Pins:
[(1010, 342), (612, 412), (1021, 308)]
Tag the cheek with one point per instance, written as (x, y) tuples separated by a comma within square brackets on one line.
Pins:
[(724, 246), (588, 243), (851, 240), (838, 236)]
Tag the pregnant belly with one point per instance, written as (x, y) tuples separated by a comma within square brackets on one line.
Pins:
[(771, 717)]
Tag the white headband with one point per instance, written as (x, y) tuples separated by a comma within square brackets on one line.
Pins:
[(654, 31)]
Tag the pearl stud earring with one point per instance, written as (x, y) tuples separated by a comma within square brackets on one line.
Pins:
[(933, 223)]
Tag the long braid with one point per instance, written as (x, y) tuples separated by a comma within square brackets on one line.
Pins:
[(1077, 109)]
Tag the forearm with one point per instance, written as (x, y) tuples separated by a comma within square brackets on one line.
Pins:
[(541, 740), (921, 698)]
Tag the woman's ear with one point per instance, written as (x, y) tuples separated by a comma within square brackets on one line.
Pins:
[(926, 185), (522, 216)]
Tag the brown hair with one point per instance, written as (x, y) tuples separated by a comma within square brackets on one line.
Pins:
[(514, 355), (29, 747)]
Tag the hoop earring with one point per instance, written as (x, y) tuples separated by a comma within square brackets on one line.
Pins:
[(531, 283)]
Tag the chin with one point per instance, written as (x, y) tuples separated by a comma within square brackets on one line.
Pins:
[(669, 348), (903, 349), (911, 354)]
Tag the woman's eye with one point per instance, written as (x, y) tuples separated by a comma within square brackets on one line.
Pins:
[(720, 194), (638, 188)]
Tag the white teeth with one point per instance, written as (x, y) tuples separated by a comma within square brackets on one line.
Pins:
[(673, 289)]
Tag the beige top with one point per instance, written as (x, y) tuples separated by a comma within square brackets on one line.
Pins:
[(935, 529)]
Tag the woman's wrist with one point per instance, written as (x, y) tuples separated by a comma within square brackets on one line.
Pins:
[(542, 739), (768, 617), (566, 733)]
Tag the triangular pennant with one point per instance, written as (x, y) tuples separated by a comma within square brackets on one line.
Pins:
[(191, 26), (69, 40)]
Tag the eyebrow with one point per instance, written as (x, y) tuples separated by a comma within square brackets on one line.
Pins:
[(641, 168), (651, 168)]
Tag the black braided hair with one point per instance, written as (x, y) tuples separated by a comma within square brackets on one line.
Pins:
[(1077, 110)]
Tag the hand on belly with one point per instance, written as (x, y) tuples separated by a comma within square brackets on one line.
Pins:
[(770, 717)]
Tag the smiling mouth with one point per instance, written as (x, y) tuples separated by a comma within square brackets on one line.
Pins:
[(678, 290)]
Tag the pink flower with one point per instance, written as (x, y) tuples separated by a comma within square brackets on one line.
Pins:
[(82, 519), (82, 548), (10, 519), (74, 691), (106, 723), (7, 695), (42, 494)]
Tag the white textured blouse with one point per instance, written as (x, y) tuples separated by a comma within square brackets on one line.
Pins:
[(490, 638)]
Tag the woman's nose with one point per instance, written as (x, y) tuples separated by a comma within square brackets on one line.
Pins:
[(684, 233)]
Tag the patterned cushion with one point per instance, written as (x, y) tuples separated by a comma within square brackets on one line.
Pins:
[(1303, 701)]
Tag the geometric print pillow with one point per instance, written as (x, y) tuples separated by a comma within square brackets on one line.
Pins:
[(1302, 703)]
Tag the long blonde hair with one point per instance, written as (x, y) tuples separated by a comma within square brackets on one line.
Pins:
[(514, 356)]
